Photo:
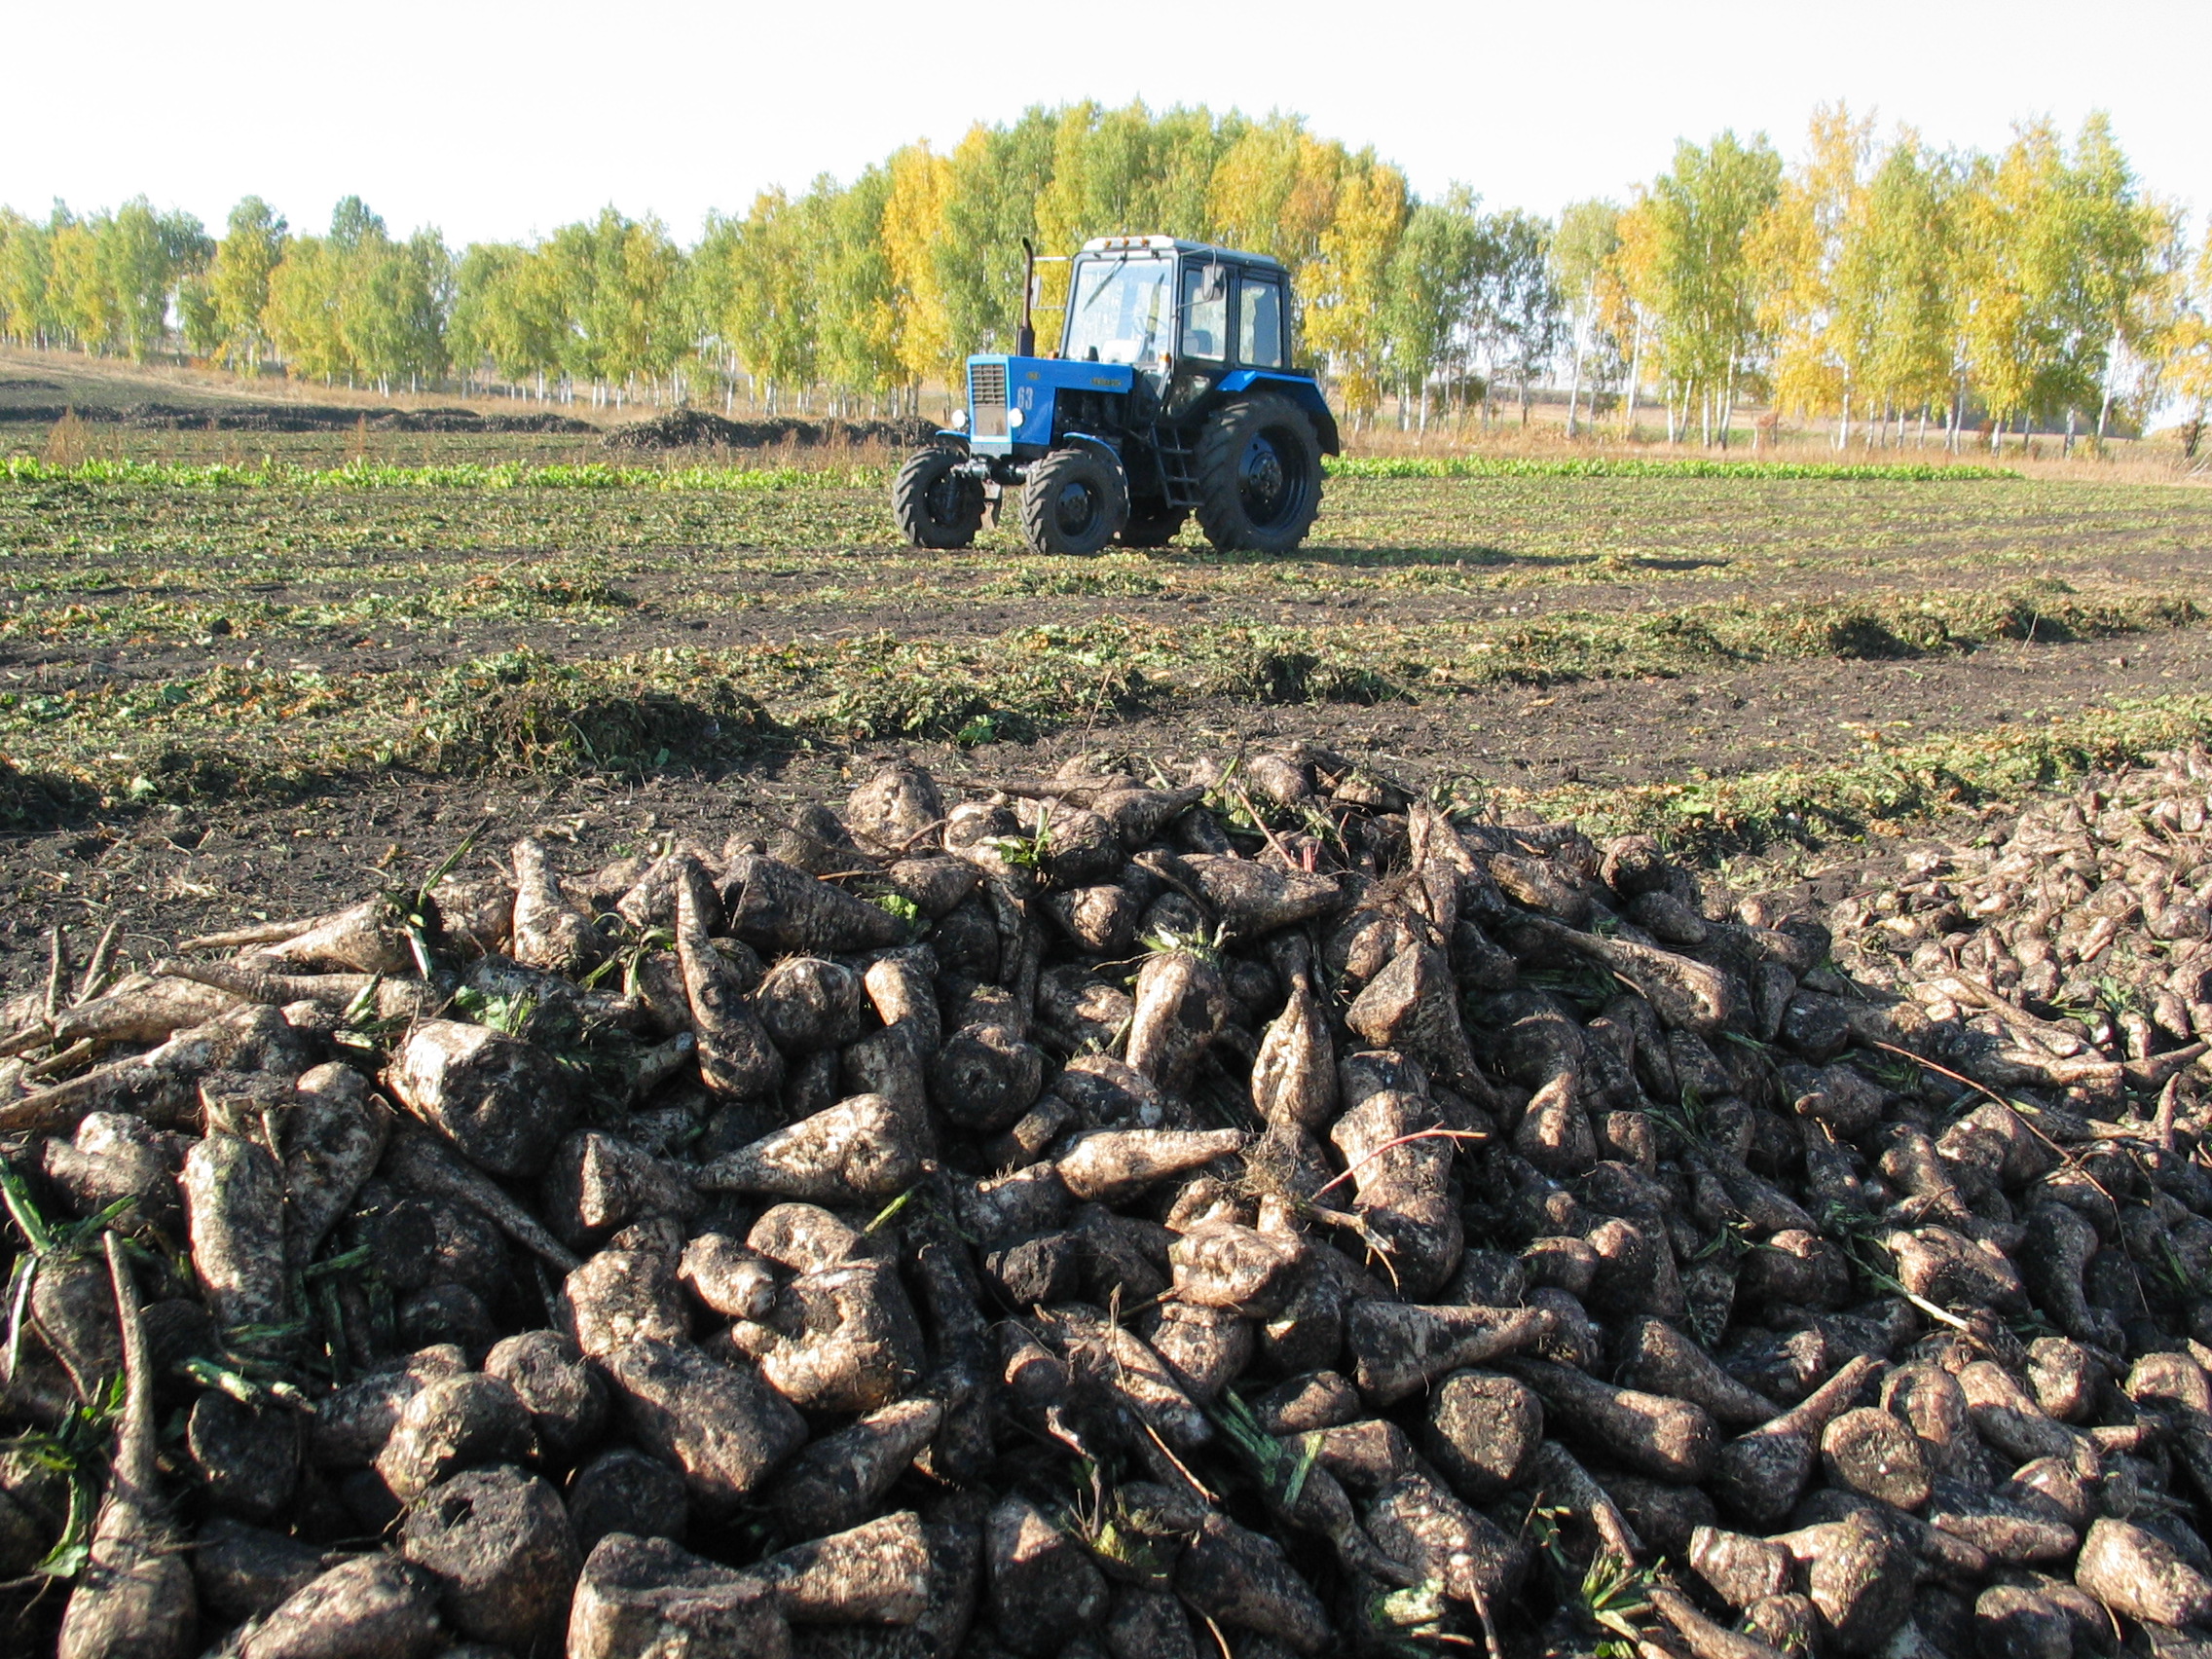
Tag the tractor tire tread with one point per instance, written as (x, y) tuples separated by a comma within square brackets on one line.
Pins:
[(1220, 450), (1039, 495), (911, 504)]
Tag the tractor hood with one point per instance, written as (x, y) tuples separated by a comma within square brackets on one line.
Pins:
[(1011, 399)]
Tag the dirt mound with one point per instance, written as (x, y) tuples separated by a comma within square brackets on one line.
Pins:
[(41, 800), (696, 428), (541, 728), (1100, 1207), (291, 418)]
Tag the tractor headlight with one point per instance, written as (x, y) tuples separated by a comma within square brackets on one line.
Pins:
[(960, 420), (1014, 416)]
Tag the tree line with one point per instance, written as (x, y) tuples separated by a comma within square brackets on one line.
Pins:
[(1873, 281)]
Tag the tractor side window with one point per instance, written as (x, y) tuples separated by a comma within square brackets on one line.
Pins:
[(1259, 323), (1205, 313)]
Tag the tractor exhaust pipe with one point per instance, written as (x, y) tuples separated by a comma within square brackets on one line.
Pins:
[(1025, 336)]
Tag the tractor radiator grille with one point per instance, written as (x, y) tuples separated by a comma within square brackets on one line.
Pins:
[(986, 399)]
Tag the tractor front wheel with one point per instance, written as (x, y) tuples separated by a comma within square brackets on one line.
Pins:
[(1075, 500), (937, 506), (1259, 467)]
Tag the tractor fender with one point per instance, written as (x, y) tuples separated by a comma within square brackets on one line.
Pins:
[(1298, 389), (1105, 449)]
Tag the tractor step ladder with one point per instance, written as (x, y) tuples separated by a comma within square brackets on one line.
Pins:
[(1178, 472)]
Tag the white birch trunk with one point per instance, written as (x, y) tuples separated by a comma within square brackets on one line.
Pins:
[(2104, 402), (1635, 379), (1575, 382)]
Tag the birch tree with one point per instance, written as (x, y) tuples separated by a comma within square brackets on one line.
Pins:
[(26, 270), (1343, 286), (1521, 300), (1893, 284), (251, 249), (1275, 191), (1583, 251), (913, 219), (2013, 224), (998, 175), (83, 298), (1702, 281), (1799, 248), (2122, 239), (1434, 273), (860, 322), (756, 292), (2186, 354), (302, 316), (139, 260), (1635, 292)]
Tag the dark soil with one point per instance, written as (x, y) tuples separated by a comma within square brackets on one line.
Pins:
[(286, 418), (696, 428), (672, 604)]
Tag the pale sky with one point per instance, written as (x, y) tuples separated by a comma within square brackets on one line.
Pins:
[(502, 121)]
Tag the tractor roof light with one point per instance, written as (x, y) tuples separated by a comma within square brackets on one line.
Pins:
[(1118, 244)]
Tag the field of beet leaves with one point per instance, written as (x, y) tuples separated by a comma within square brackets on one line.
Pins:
[(228, 677)]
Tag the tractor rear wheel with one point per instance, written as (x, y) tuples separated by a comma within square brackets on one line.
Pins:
[(935, 504), (1153, 524), (1259, 467), (1075, 500)]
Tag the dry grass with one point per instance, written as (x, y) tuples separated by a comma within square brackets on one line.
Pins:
[(69, 443)]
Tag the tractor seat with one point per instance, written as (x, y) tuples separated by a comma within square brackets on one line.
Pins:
[(1200, 343)]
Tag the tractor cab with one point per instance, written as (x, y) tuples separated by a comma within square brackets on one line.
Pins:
[(1159, 301), (1165, 347)]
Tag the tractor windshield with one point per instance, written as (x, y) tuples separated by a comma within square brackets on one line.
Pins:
[(1121, 312)]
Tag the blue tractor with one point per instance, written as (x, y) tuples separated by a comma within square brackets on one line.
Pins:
[(1172, 394)]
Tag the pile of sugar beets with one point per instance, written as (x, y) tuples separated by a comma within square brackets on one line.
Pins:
[(1261, 1216)]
